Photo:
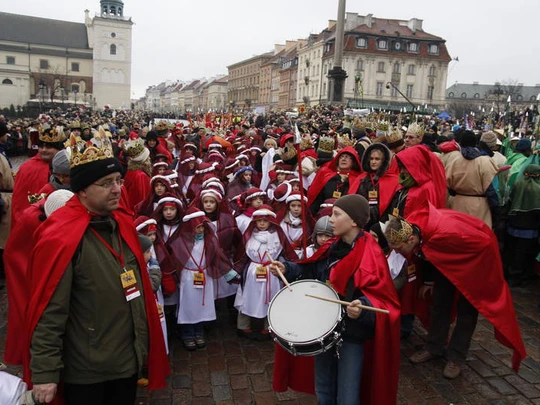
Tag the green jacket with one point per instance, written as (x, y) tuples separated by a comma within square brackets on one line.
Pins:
[(89, 333)]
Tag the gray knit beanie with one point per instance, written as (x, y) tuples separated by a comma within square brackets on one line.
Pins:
[(60, 162), (356, 207)]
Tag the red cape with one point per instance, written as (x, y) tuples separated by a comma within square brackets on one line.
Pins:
[(367, 263), (428, 171), (16, 254), (137, 184), (466, 251), (30, 178), (329, 170), (64, 230), (388, 185)]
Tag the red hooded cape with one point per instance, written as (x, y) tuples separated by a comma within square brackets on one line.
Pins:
[(63, 231), (367, 264), (466, 251), (20, 243), (30, 178), (137, 184), (428, 172), (329, 170)]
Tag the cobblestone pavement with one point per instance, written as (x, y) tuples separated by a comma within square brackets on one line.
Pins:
[(232, 370)]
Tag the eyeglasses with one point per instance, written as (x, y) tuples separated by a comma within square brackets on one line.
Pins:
[(110, 183)]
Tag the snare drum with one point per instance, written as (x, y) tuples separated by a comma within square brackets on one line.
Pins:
[(302, 325)]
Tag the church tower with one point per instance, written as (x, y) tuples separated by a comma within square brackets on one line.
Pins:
[(109, 35)]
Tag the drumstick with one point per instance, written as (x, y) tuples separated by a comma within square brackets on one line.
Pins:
[(384, 311), (281, 276)]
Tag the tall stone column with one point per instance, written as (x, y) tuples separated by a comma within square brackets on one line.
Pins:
[(337, 76)]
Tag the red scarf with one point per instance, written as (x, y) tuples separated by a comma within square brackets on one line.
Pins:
[(58, 239)]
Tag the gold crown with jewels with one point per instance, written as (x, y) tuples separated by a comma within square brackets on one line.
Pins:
[(52, 135), (97, 148), (400, 236), (416, 129)]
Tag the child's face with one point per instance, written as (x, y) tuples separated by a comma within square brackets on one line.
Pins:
[(295, 186), (147, 255), (161, 169), (281, 177), (247, 176), (151, 236), (169, 213), (160, 189), (209, 204), (262, 224), (322, 238), (152, 143), (295, 207), (256, 202), (199, 229)]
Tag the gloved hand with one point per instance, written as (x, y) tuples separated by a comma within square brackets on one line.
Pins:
[(232, 277)]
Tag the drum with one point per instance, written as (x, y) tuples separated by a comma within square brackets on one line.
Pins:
[(302, 325)]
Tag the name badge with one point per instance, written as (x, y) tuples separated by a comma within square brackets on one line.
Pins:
[(129, 284), (160, 311), (261, 273), (411, 272), (198, 280), (395, 212), (336, 194), (373, 194)]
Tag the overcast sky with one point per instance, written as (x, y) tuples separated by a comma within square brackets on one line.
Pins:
[(494, 40)]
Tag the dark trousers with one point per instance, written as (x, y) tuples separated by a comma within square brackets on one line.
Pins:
[(114, 392), (441, 311)]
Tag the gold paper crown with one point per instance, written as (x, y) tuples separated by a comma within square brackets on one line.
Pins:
[(416, 129), (393, 135), (34, 198), (326, 144), (52, 135), (360, 123), (305, 142), (134, 147), (345, 140), (383, 126), (97, 148), (400, 236)]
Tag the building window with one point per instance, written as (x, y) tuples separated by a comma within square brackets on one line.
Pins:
[(413, 47), (43, 64), (380, 67), (113, 35), (463, 95), (519, 97), (74, 66), (397, 67), (451, 94), (379, 88), (432, 70), (412, 70), (433, 49), (113, 49), (533, 98), (476, 95), (75, 87), (409, 90), (382, 44), (360, 65), (10, 60), (361, 42), (7, 81), (393, 91), (430, 92), (398, 46)]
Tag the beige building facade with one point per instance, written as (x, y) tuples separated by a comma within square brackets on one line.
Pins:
[(245, 81)]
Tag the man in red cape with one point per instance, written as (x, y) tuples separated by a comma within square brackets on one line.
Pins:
[(366, 266), (465, 252), (35, 173), (58, 241)]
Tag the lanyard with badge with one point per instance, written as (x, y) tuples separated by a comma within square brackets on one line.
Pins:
[(129, 282)]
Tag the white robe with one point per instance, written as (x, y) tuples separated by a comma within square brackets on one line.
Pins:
[(242, 222), (191, 307), (253, 297)]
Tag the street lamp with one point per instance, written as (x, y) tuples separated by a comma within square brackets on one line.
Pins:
[(75, 96), (390, 84)]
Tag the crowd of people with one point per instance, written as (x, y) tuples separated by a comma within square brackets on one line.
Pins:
[(120, 233)]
